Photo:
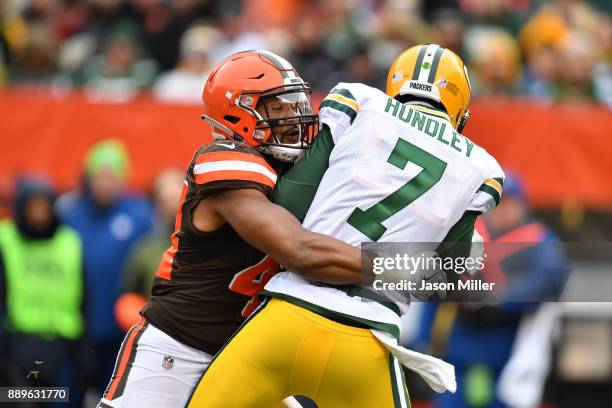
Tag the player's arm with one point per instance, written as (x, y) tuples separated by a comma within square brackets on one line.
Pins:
[(463, 241), (273, 230), (485, 199)]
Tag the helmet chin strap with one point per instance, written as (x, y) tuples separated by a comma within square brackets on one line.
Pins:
[(283, 153)]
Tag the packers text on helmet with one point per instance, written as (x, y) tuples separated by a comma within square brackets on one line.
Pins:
[(432, 73)]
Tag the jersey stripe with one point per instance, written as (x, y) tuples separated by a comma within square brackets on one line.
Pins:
[(219, 170), (233, 156), (492, 192), (120, 388), (398, 387), (342, 99), (346, 109), (125, 358), (234, 175), (344, 92), (495, 184), (164, 270)]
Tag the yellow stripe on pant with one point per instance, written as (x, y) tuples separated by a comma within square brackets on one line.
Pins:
[(287, 350)]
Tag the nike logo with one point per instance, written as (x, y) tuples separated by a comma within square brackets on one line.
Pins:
[(229, 146)]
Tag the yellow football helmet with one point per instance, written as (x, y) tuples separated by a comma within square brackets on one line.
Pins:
[(434, 73)]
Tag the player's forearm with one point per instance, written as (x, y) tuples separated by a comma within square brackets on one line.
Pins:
[(327, 260), (273, 230)]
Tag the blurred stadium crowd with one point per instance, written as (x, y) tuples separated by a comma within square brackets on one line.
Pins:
[(116, 48)]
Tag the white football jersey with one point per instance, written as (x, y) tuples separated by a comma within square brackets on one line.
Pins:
[(397, 173)]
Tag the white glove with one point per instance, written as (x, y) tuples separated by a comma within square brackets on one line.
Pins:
[(429, 278), (476, 250)]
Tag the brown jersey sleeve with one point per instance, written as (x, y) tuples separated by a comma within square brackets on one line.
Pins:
[(228, 165)]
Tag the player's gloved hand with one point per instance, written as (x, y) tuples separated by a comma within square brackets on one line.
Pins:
[(419, 275), (477, 251), (429, 278)]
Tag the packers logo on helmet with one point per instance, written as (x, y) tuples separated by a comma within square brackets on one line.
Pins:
[(436, 74)]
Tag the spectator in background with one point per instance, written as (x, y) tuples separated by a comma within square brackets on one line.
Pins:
[(541, 38), (272, 14), (237, 36), (357, 68), (394, 27), (41, 289), (545, 28), (492, 13), (481, 336), (495, 61), (541, 74), (4, 58), (106, 14), (578, 61), (163, 23), (35, 58), (5, 51), (448, 29), (341, 35), (184, 83), (120, 72), (109, 222), (144, 259), (311, 59)]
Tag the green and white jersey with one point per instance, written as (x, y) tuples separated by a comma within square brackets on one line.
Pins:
[(395, 173)]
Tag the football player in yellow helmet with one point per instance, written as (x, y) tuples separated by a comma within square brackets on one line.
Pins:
[(435, 75)]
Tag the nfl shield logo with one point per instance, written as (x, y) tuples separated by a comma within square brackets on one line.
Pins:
[(397, 76), (167, 363)]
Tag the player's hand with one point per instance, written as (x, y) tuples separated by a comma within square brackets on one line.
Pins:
[(477, 250), (429, 279)]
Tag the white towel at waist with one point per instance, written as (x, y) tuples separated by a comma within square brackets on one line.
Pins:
[(438, 374)]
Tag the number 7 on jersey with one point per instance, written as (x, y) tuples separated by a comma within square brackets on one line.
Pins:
[(369, 222)]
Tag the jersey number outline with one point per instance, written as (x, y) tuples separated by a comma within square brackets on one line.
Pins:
[(369, 222), (252, 280)]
